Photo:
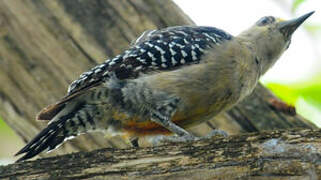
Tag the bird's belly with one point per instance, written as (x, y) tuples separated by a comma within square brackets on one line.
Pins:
[(190, 114), (200, 99)]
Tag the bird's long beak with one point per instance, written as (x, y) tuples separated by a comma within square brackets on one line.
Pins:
[(288, 27)]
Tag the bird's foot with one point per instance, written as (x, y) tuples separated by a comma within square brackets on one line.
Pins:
[(174, 138), (216, 132), (186, 138)]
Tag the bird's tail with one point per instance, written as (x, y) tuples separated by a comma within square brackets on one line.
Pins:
[(77, 120)]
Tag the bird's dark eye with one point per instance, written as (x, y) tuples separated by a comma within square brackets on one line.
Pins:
[(265, 20)]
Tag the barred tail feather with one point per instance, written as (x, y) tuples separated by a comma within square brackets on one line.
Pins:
[(48, 138), (79, 120)]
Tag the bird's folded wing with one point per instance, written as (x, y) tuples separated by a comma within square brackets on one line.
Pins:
[(153, 52)]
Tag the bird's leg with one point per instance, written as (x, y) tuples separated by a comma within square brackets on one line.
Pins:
[(163, 114), (182, 134)]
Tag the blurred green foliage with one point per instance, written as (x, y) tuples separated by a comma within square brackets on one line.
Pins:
[(305, 96), (313, 29), (4, 128), (296, 4), (310, 91)]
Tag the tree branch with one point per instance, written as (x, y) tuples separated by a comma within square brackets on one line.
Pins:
[(273, 155)]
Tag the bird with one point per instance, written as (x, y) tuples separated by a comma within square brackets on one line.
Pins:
[(166, 81)]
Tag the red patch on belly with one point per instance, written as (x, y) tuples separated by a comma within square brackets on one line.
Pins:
[(134, 126), (144, 128)]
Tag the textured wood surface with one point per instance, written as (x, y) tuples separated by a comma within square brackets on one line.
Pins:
[(45, 45), (269, 155)]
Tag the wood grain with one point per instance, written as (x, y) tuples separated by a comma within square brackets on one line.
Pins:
[(271, 155)]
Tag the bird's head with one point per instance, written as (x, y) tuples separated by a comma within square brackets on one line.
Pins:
[(271, 36)]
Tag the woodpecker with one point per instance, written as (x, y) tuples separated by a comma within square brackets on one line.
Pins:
[(166, 81)]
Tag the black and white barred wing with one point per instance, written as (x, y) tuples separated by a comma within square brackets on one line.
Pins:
[(153, 51), (160, 50)]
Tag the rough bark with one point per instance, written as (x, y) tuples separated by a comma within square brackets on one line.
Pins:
[(279, 154), (44, 45)]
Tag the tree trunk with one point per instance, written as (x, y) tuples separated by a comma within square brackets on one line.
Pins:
[(44, 45), (269, 155)]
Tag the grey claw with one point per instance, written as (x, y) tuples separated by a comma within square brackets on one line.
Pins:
[(163, 139), (216, 132)]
